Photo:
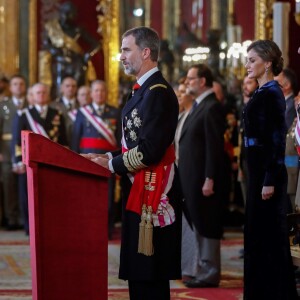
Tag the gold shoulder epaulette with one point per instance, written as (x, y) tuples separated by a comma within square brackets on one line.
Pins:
[(158, 85)]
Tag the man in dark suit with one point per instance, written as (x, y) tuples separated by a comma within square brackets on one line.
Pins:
[(97, 129), (67, 104), (41, 119), (8, 109), (201, 152), (151, 224), (288, 82)]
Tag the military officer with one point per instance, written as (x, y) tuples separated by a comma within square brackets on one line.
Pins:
[(41, 119), (67, 104), (97, 130), (151, 223), (84, 95), (8, 108)]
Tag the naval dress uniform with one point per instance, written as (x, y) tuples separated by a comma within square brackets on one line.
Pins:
[(97, 129), (149, 121), (50, 124)]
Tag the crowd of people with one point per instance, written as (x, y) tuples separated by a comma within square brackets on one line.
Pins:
[(79, 119), (184, 160)]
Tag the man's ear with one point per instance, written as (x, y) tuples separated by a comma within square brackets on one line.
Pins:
[(288, 84), (146, 53), (202, 81)]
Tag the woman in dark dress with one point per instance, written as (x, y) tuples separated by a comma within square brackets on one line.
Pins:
[(268, 269)]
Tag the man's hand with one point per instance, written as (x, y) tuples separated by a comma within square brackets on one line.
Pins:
[(208, 187), (102, 161), (19, 168), (92, 156)]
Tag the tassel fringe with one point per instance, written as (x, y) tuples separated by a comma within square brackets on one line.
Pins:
[(145, 245), (141, 245)]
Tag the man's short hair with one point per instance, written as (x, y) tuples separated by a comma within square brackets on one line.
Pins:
[(145, 37), (204, 71)]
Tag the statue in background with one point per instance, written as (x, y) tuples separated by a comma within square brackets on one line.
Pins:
[(63, 56), (166, 60)]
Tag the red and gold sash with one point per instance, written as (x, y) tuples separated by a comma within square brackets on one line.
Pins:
[(148, 198), (148, 184)]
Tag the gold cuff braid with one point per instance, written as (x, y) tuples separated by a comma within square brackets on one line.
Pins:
[(133, 160)]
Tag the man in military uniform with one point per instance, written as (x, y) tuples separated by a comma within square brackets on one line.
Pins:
[(41, 119), (84, 95), (151, 224), (67, 104), (8, 109), (97, 130)]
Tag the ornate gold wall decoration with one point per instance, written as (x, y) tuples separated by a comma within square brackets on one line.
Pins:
[(215, 22), (9, 34), (148, 13), (32, 41), (108, 20), (264, 19)]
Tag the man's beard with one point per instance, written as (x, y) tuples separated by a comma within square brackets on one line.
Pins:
[(129, 71)]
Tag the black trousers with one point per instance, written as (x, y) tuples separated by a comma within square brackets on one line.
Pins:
[(149, 290)]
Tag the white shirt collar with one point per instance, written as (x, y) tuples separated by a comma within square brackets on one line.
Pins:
[(147, 75), (68, 101), (203, 95), (39, 108), (96, 106), (16, 101), (288, 96)]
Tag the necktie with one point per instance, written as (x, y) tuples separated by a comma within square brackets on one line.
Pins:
[(42, 112), (19, 104), (69, 106), (193, 107), (135, 87), (100, 110)]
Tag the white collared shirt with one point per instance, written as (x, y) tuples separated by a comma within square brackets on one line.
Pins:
[(17, 101), (141, 80), (288, 96), (68, 102), (203, 95), (42, 109), (96, 106), (19, 104)]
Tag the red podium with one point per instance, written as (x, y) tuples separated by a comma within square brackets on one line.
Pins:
[(67, 199)]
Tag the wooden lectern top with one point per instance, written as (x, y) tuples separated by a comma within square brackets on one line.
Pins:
[(38, 149)]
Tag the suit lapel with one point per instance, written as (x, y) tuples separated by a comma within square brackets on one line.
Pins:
[(195, 114), (36, 116)]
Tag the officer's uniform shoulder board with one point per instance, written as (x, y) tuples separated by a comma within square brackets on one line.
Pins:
[(158, 85)]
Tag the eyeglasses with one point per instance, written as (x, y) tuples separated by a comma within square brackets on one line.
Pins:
[(191, 78)]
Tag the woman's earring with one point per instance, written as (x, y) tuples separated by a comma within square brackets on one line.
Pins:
[(267, 70)]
